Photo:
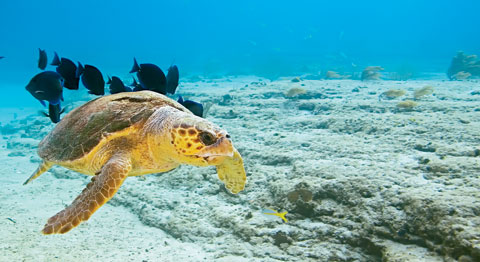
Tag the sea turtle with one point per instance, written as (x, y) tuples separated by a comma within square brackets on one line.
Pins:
[(131, 134)]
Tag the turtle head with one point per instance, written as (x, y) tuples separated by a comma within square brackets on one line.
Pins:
[(199, 142), (184, 138), (189, 139)]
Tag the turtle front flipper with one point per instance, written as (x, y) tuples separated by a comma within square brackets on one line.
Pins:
[(232, 173), (101, 189)]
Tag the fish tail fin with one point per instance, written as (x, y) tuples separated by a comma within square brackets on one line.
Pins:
[(42, 168), (80, 70), (109, 80), (282, 216), (135, 67), (56, 60)]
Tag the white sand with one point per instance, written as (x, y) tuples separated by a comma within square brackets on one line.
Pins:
[(375, 196), (9, 114)]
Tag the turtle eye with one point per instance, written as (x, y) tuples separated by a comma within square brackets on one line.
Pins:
[(207, 138)]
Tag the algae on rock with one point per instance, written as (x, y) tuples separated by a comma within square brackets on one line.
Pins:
[(421, 92)]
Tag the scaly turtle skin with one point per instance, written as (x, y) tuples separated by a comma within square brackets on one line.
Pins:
[(131, 134)]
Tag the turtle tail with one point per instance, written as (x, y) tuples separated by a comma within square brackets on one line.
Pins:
[(42, 168)]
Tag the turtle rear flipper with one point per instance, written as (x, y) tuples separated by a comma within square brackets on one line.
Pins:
[(101, 189), (232, 173), (42, 168)]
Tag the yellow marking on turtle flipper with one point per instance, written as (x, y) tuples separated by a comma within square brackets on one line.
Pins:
[(232, 173)]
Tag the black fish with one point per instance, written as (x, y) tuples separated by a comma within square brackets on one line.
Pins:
[(194, 107), (92, 79), (136, 86), (172, 79), (117, 86), (42, 59), (2, 57), (48, 86), (67, 69), (151, 77), (54, 112)]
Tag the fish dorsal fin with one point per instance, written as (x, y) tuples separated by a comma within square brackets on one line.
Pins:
[(56, 60), (135, 67)]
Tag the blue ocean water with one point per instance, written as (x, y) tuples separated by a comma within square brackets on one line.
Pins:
[(337, 169), (267, 38)]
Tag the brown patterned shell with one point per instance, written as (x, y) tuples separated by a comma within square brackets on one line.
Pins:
[(84, 127)]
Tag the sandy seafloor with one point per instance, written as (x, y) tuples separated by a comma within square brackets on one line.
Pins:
[(361, 179)]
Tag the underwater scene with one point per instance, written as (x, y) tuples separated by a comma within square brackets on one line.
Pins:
[(237, 131)]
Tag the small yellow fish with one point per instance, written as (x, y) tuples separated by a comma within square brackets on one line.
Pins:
[(272, 212)]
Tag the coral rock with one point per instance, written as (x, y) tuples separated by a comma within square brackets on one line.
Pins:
[(371, 73), (463, 64)]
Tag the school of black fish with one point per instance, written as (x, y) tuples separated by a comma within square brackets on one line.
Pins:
[(47, 86)]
